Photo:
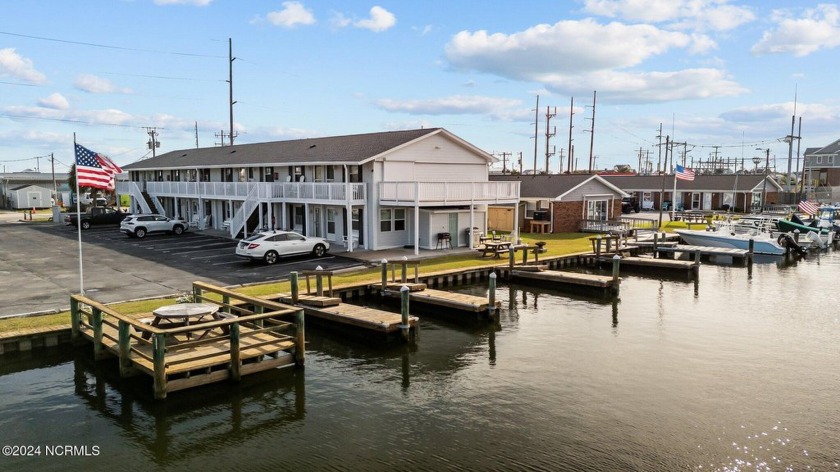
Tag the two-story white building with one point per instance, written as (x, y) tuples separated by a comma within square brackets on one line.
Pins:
[(409, 188)]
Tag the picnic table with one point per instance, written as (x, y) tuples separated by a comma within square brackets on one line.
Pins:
[(495, 248), (184, 314)]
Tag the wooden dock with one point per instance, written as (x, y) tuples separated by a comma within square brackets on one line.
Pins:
[(601, 284), (319, 303), (705, 251), (420, 293), (248, 336), (631, 262)]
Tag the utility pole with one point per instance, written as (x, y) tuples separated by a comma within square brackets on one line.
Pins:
[(592, 133), (560, 167), (504, 161), (571, 152), (802, 175), (38, 164), (221, 135), (549, 133), (520, 162), (196, 134), (639, 168), (55, 186), (152, 143), (536, 131), (230, 83), (659, 161)]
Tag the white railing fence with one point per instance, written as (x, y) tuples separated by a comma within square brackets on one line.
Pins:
[(449, 192), (244, 211)]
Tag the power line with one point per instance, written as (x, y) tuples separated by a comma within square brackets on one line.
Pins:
[(106, 46), (68, 120)]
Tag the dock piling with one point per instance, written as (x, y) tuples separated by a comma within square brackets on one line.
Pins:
[(511, 259), (751, 251), (300, 338), (491, 296), (319, 283), (405, 326), (384, 275), (598, 246), (616, 262), (293, 281)]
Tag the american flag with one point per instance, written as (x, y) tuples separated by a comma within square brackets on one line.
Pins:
[(95, 170), (684, 174), (808, 207)]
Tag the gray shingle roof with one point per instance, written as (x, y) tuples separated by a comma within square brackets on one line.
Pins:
[(543, 186), (350, 149), (831, 149), (701, 183)]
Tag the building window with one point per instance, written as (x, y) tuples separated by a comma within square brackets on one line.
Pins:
[(385, 220), (392, 220), (596, 210), (330, 173), (330, 221), (298, 173), (354, 174), (319, 174)]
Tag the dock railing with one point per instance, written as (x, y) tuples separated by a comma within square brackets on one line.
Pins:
[(248, 328)]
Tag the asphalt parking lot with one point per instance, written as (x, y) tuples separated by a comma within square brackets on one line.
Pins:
[(39, 265)]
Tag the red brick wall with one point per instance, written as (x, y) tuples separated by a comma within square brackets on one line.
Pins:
[(567, 216)]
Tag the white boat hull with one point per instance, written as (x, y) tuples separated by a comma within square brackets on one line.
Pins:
[(761, 245)]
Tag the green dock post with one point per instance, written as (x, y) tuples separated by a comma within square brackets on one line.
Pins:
[(75, 321), (751, 251), (319, 282), (655, 244), (235, 359), (609, 243), (98, 350), (300, 338), (598, 246), (293, 281), (125, 348), (159, 359), (796, 236), (511, 259), (404, 269), (405, 326), (696, 259), (491, 296), (384, 275), (197, 294), (524, 255)]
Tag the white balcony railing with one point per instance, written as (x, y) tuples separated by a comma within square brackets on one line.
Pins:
[(448, 193), (312, 192)]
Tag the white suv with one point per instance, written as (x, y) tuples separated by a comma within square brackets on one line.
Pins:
[(139, 225), (270, 245)]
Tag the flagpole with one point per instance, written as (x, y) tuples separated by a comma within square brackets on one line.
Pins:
[(78, 219)]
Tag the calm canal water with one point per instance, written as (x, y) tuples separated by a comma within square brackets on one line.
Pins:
[(738, 371)]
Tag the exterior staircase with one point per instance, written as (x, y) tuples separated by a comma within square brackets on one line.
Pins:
[(237, 223)]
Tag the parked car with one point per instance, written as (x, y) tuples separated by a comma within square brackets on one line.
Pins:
[(139, 226), (629, 204), (270, 245), (96, 216)]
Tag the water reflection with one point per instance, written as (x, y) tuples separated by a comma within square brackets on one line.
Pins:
[(187, 423)]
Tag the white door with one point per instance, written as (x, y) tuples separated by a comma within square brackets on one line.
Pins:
[(331, 214)]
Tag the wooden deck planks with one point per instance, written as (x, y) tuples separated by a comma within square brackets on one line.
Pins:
[(570, 278), (360, 316), (658, 263), (457, 301)]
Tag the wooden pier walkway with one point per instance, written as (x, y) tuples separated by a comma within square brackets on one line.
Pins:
[(247, 336), (651, 263), (705, 250), (602, 284), (420, 293)]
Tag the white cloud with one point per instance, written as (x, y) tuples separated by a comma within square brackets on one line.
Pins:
[(200, 3), (103, 117), (499, 108), (55, 101), (567, 46), (424, 30), (292, 14), (717, 15), (580, 56), (93, 84), (405, 125), (14, 65), (818, 28), (783, 111), (380, 20)]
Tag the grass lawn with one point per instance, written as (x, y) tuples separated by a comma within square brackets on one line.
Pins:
[(558, 244)]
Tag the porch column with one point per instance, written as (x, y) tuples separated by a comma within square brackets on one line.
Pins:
[(284, 218), (472, 225), (348, 230), (416, 227), (514, 237), (306, 224), (270, 216), (260, 214)]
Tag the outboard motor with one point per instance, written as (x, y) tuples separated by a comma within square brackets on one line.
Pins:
[(787, 241)]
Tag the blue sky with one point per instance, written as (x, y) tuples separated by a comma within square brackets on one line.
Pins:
[(718, 75)]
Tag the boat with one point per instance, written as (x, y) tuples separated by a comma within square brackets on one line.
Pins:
[(761, 244), (823, 224)]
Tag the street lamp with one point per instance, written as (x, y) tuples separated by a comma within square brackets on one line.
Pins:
[(756, 160)]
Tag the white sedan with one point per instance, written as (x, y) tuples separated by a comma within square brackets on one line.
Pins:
[(270, 245)]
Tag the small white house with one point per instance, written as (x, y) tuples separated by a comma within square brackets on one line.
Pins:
[(30, 196)]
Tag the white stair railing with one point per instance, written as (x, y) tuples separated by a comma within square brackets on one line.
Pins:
[(158, 205), (137, 196), (244, 211)]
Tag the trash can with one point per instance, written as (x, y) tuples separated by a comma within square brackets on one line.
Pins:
[(474, 235)]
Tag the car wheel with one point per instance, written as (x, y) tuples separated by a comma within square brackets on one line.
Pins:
[(319, 250), (271, 257), (85, 224), (140, 232), (178, 229), (638, 210)]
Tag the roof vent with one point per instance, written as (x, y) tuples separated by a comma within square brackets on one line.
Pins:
[(184, 155), (233, 151), (312, 146)]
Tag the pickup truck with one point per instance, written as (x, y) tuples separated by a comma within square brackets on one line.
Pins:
[(96, 216)]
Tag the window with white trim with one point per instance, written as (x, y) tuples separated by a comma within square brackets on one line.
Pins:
[(392, 220)]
